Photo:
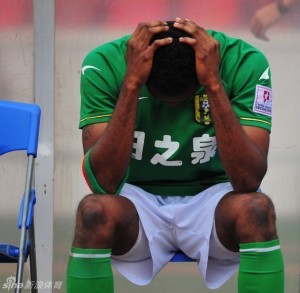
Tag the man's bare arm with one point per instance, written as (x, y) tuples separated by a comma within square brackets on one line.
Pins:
[(112, 142), (243, 150)]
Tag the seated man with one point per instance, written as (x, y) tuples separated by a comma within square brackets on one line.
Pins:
[(175, 127)]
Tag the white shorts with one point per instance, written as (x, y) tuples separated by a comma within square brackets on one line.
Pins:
[(171, 223)]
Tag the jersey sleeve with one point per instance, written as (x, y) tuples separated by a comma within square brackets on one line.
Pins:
[(251, 91), (102, 73)]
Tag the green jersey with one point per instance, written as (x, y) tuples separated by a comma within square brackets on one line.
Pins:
[(175, 150)]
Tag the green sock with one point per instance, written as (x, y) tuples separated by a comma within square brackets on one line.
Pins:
[(261, 268), (89, 270)]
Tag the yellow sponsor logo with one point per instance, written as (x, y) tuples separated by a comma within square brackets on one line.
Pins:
[(202, 110)]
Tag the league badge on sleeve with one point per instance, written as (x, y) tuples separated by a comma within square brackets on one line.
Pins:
[(263, 100)]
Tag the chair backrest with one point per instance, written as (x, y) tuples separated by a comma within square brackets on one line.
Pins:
[(19, 130), (19, 127)]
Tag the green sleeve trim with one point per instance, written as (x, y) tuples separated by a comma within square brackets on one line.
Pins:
[(94, 117), (256, 122)]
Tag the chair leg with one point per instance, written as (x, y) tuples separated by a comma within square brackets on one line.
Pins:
[(32, 258), (23, 236), (20, 266)]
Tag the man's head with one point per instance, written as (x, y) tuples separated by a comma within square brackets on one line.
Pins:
[(173, 74)]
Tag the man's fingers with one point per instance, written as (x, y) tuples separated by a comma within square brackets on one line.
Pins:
[(187, 40), (186, 25), (161, 42), (153, 27), (190, 27), (145, 31)]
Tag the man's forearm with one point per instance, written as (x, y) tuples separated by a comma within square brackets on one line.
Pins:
[(245, 164), (111, 154)]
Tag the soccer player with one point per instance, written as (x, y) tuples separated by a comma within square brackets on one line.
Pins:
[(175, 128)]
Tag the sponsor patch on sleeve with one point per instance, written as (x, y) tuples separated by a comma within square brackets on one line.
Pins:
[(263, 100)]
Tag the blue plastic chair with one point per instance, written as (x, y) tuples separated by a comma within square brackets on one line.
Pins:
[(19, 130)]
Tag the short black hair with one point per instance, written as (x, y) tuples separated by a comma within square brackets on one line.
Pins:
[(173, 69)]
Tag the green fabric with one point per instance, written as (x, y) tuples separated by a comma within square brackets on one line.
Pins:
[(93, 275), (174, 149), (261, 268)]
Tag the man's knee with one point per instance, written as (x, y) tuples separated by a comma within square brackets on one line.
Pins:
[(261, 209), (103, 219), (242, 218), (95, 223), (91, 212), (255, 220)]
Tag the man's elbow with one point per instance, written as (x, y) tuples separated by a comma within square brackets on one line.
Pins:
[(249, 182)]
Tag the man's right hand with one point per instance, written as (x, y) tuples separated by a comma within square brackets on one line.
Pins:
[(140, 54)]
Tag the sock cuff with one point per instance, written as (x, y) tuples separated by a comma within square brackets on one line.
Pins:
[(90, 253), (89, 264), (260, 246), (261, 257)]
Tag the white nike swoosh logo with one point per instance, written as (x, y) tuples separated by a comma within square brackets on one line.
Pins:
[(84, 68), (265, 75), (141, 98)]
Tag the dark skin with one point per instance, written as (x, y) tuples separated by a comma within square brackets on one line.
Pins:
[(111, 221)]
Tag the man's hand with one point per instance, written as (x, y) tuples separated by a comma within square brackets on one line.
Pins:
[(263, 19), (140, 54), (112, 142), (243, 150), (207, 52), (269, 14)]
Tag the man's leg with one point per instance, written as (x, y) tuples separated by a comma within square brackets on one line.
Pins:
[(105, 224), (246, 223)]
